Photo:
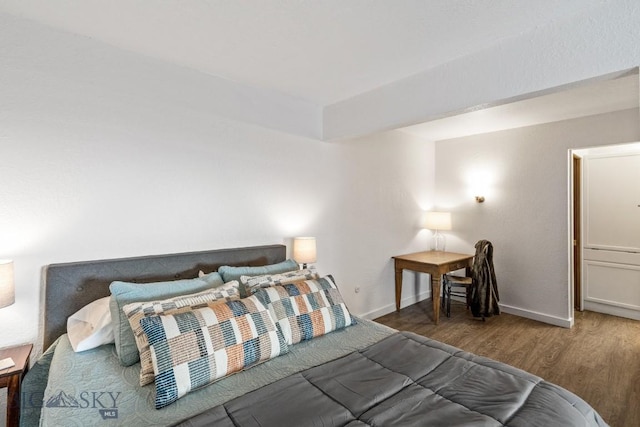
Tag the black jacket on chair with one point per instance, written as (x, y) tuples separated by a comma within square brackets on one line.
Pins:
[(484, 290)]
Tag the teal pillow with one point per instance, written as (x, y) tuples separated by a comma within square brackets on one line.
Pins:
[(123, 293), (234, 273)]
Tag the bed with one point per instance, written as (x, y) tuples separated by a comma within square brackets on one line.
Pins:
[(361, 373)]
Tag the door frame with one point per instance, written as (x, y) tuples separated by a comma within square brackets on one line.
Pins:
[(576, 231)]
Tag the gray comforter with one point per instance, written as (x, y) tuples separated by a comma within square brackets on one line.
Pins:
[(405, 380)]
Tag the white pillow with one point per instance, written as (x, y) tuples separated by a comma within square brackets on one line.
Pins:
[(91, 327)]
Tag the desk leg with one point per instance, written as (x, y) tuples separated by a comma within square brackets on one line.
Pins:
[(436, 284), (398, 287), (467, 272), (13, 401)]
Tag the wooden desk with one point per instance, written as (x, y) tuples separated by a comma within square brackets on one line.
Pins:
[(434, 263), (12, 379)]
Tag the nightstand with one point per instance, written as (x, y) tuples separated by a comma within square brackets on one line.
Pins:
[(11, 378)]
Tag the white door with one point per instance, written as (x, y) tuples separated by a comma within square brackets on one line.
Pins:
[(611, 268)]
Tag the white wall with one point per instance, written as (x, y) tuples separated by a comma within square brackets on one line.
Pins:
[(524, 173), (107, 154)]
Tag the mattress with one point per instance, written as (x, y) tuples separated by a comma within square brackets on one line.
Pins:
[(91, 387)]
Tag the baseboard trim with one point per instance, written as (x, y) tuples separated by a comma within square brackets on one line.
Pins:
[(612, 310), (405, 302), (540, 317)]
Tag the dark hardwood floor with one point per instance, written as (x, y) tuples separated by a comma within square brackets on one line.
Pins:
[(598, 359)]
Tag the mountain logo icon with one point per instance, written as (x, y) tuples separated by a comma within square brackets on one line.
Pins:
[(62, 400)]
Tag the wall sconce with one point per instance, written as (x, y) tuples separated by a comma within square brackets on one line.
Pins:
[(481, 181), (7, 297), (438, 221), (304, 250)]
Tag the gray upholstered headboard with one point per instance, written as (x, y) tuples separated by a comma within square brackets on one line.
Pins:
[(71, 286)]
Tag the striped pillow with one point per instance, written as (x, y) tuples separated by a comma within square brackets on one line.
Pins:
[(137, 310), (192, 349), (308, 309), (253, 283)]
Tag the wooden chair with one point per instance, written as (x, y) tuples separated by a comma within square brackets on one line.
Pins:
[(480, 290), (457, 286)]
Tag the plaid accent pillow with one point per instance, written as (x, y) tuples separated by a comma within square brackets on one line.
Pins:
[(195, 348), (123, 293), (137, 310), (308, 309), (253, 283)]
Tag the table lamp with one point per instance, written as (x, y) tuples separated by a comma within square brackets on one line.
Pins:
[(7, 297), (304, 250), (438, 221)]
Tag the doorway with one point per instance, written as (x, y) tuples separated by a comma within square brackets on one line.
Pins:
[(604, 267)]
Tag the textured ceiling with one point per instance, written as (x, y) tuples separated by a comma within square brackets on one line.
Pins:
[(322, 51)]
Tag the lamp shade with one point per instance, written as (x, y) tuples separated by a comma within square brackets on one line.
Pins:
[(438, 221), (7, 289), (304, 250)]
